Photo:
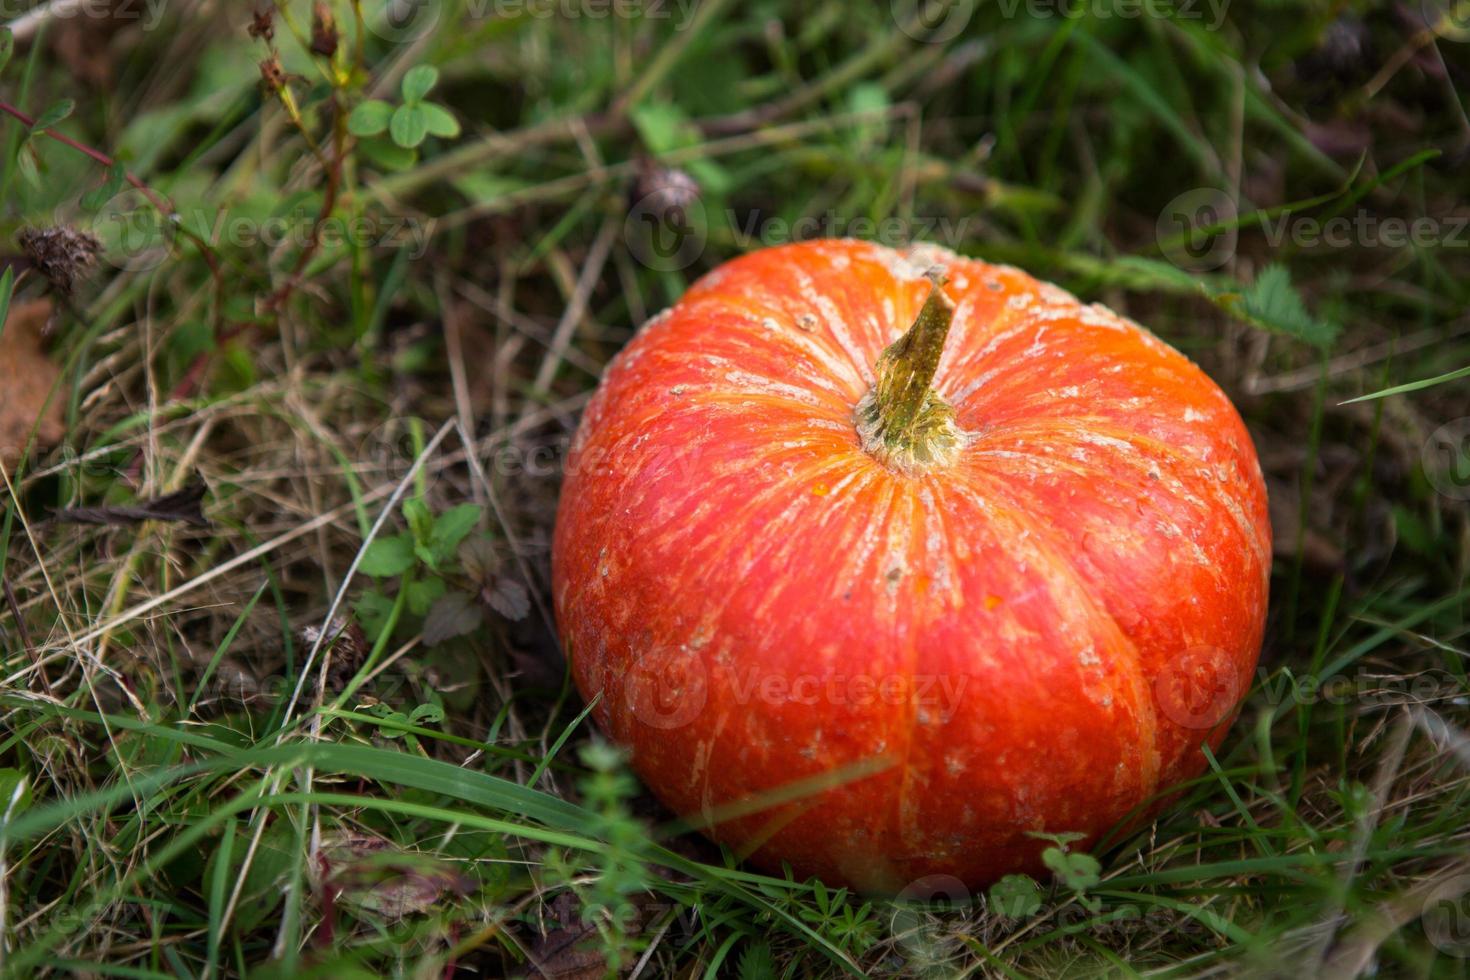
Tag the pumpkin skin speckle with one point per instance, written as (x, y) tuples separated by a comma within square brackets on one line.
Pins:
[(1036, 636)]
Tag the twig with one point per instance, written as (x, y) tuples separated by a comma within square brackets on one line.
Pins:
[(20, 623), (182, 506), (577, 303)]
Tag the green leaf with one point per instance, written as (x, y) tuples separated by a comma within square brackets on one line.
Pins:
[(409, 126), (98, 196), (757, 962), (870, 99), (482, 186), (420, 519), (426, 714), (388, 155), (663, 127), (262, 890), (7, 288), (388, 557), (374, 612), (1419, 385), (418, 81), (53, 115), (1077, 871), (1273, 303), (423, 594), (30, 170), (1015, 896), (399, 721), (439, 120), (7, 46), (15, 793), (451, 528), (370, 118)]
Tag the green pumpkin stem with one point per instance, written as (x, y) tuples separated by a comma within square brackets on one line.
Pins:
[(902, 421)]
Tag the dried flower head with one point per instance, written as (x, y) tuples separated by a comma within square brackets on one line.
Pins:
[(62, 254), (662, 190), (344, 646), (272, 73), (262, 24), (323, 30)]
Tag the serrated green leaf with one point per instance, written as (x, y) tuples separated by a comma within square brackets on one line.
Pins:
[(757, 962), (418, 81), (409, 126), (439, 120), (1015, 896), (369, 118), (1273, 303), (1077, 871), (388, 557), (451, 528)]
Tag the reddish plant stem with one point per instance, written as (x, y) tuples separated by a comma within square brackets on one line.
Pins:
[(329, 204), (161, 203), (157, 200)]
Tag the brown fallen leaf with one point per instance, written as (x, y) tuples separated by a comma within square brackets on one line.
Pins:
[(27, 376), (370, 874), (570, 950), (182, 506)]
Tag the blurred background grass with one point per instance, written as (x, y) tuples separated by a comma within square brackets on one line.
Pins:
[(355, 267)]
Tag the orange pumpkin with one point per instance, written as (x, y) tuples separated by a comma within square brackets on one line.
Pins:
[(882, 560)]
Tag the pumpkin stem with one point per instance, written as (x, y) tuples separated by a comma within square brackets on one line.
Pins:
[(902, 421)]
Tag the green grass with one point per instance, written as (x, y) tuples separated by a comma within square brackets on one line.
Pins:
[(379, 416)]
